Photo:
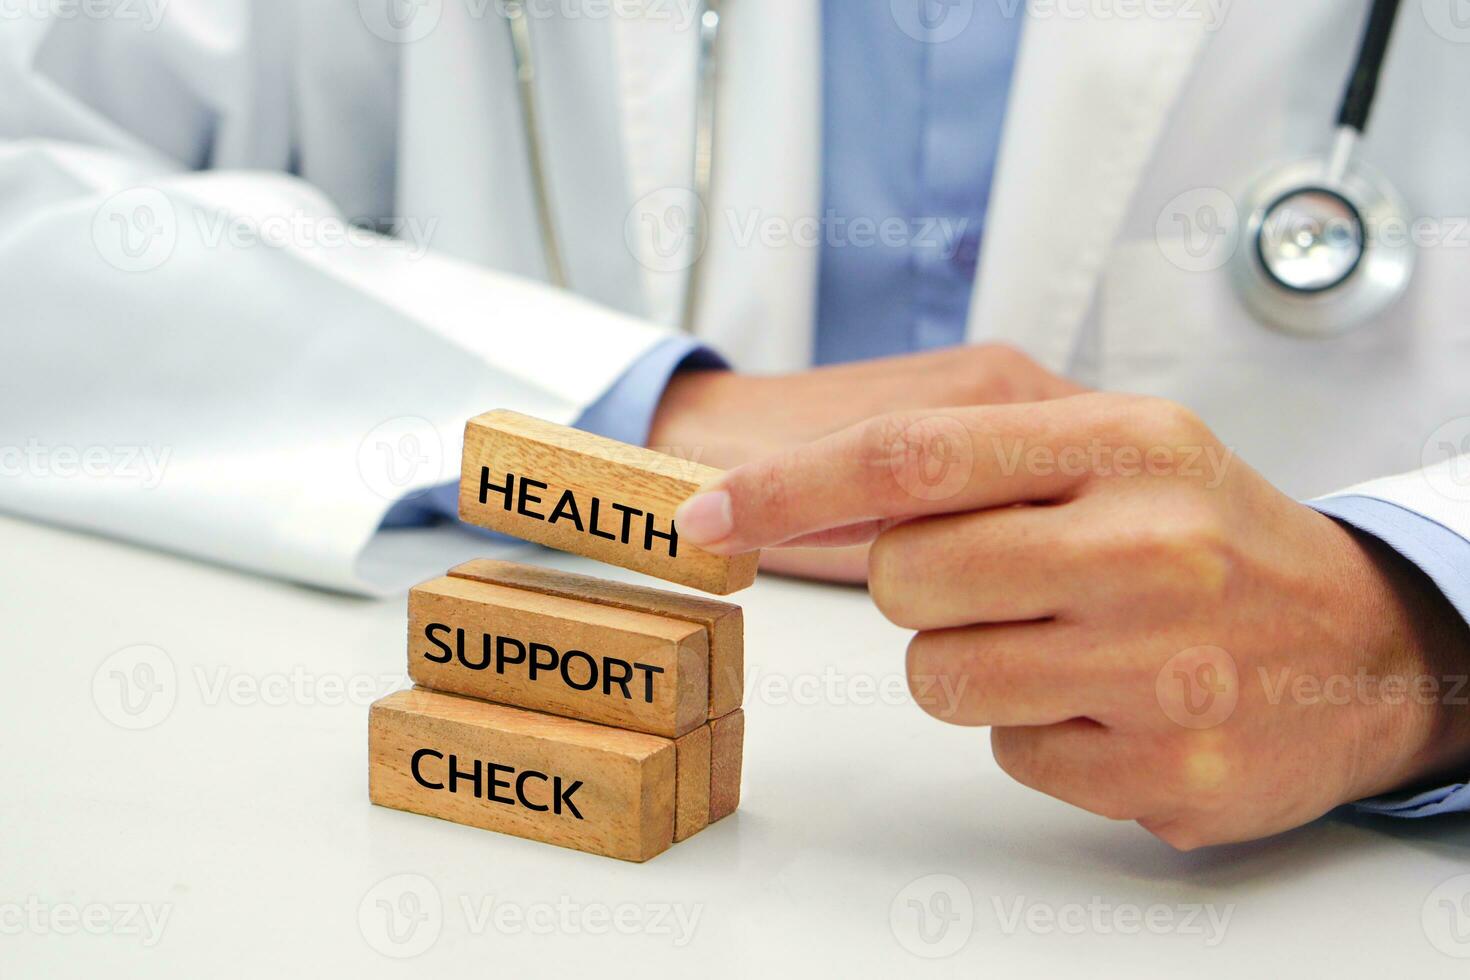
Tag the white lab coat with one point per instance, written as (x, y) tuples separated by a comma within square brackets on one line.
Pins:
[(270, 376)]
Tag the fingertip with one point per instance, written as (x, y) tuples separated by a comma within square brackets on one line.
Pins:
[(707, 520)]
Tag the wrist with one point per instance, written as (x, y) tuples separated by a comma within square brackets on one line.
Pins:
[(699, 417), (1417, 648)]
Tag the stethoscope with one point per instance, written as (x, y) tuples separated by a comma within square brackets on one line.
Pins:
[(1309, 263), (702, 176), (1313, 261)]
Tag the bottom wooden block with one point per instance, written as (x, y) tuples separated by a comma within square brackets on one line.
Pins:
[(605, 790)]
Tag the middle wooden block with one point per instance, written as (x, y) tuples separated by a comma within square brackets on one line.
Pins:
[(566, 656)]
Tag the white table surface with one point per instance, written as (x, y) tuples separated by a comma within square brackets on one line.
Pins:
[(238, 818)]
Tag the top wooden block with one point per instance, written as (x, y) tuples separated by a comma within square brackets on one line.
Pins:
[(591, 496)]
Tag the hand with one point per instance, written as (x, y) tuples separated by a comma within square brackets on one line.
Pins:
[(730, 418), (1156, 633)]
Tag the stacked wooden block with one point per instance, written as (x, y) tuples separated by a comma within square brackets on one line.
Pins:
[(587, 713)]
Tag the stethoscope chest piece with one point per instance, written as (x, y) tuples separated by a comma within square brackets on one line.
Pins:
[(1322, 255), (1326, 245)]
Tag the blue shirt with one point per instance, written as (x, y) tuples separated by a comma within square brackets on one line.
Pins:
[(915, 94), (911, 136)]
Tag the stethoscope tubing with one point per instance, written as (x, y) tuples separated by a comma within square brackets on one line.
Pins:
[(702, 176), (1352, 119)]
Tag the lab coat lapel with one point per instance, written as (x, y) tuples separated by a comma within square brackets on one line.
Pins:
[(759, 281), (1090, 99), (657, 56)]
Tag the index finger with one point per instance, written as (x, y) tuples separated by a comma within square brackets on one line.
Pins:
[(893, 467)]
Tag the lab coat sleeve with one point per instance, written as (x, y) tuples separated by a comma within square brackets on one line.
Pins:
[(624, 412), (1441, 491), (214, 363)]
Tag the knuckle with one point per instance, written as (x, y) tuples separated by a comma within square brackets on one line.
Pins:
[(1185, 545), (1022, 757), (1110, 806), (934, 684), (1147, 421), (1111, 415), (1006, 355), (1193, 551), (917, 457), (1181, 835), (1006, 371), (889, 581), (1014, 752), (765, 492), (878, 439), (1171, 424)]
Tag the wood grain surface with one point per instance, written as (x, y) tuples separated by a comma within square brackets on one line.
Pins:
[(724, 621), (599, 663), (638, 793), (591, 496)]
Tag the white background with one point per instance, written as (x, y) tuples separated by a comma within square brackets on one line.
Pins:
[(241, 813)]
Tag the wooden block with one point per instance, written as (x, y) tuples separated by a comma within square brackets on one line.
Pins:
[(591, 496), (724, 621), (604, 664), (533, 775), (572, 783), (707, 774), (727, 753), (692, 783)]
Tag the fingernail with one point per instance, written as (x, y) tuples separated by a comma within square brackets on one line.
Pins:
[(705, 518)]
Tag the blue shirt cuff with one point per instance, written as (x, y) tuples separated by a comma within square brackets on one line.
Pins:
[(624, 412), (1442, 555)]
